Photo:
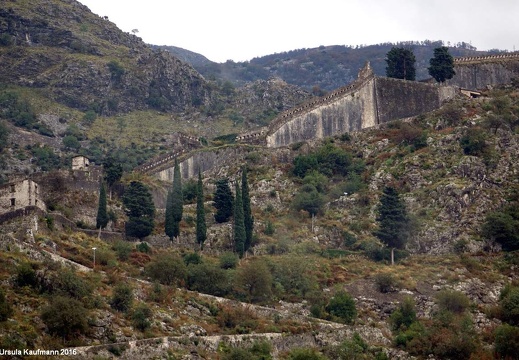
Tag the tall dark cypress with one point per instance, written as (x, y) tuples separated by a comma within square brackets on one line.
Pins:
[(247, 212), (168, 218), (201, 228), (174, 205), (239, 226), (177, 200), (102, 214)]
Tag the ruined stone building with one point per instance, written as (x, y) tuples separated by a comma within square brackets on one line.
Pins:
[(20, 194)]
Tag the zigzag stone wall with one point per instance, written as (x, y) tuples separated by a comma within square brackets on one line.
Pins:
[(376, 100)]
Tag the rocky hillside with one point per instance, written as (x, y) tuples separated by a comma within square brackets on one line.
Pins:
[(319, 69), (85, 62)]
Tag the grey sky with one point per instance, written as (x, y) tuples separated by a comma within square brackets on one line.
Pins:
[(239, 30)]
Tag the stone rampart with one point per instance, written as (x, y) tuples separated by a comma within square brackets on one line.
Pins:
[(479, 73)]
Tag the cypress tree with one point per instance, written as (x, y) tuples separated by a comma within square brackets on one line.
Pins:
[(102, 214), (177, 199), (140, 210), (201, 229), (174, 205), (393, 221), (168, 218), (223, 201), (239, 225), (247, 213)]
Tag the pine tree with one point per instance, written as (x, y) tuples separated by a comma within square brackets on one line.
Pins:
[(102, 214), (393, 221), (441, 65), (223, 201), (174, 205), (401, 64), (239, 224), (247, 212), (201, 229)]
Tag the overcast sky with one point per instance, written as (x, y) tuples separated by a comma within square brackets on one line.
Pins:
[(241, 30)]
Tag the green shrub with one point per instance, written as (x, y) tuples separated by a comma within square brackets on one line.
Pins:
[(452, 301), (385, 282), (402, 318), (309, 199), (506, 343), (473, 142), (167, 269), (26, 275), (208, 278), (141, 317), (269, 228), (503, 227), (122, 298), (342, 307), (509, 302), (65, 317), (192, 258), (70, 284), (123, 249), (143, 247), (229, 260)]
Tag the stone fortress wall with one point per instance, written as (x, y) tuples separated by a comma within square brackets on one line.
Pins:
[(367, 102)]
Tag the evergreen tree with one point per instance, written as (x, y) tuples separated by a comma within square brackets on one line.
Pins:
[(401, 64), (174, 205), (102, 214), (223, 201), (140, 210), (393, 221), (247, 212), (201, 229), (441, 65), (113, 172), (168, 216), (239, 223)]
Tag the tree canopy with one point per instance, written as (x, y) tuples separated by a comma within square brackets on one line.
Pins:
[(401, 64), (239, 223), (247, 212), (223, 201), (174, 205), (441, 65), (102, 214), (140, 210), (201, 227)]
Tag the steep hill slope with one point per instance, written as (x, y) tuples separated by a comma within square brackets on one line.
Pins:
[(86, 62)]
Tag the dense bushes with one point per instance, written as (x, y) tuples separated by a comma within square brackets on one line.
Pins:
[(65, 317), (167, 269), (328, 160), (342, 308)]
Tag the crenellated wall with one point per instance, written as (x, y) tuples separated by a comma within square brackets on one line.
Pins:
[(476, 75), (373, 101)]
